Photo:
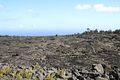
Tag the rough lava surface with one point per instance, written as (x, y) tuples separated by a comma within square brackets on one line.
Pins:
[(78, 50)]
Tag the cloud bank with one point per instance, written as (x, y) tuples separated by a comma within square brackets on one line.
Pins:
[(102, 7), (98, 7), (81, 7)]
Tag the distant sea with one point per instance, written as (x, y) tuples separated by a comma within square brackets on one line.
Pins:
[(45, 32), (38, 32)]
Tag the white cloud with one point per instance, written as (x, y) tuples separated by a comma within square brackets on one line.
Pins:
[(98, 7), (103, 8), (30, 10), (1, 7), (82, 7)]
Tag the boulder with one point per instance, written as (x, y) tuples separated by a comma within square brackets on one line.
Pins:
[(99, 68)]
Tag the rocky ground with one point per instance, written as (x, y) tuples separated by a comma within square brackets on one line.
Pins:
[(36, 72), (77, 54)]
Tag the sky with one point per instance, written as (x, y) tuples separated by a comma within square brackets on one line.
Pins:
[(50, 17)]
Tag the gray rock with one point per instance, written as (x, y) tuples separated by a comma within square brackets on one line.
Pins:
[(99, 68), (101, 78)]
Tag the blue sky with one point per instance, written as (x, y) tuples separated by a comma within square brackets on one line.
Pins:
[(49, 17)]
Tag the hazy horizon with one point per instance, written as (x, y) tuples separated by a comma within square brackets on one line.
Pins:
[(50, 17)]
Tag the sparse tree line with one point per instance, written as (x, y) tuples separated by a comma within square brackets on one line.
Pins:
[(96, 31)]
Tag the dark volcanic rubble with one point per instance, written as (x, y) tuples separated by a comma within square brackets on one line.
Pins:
[(70, 52)]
